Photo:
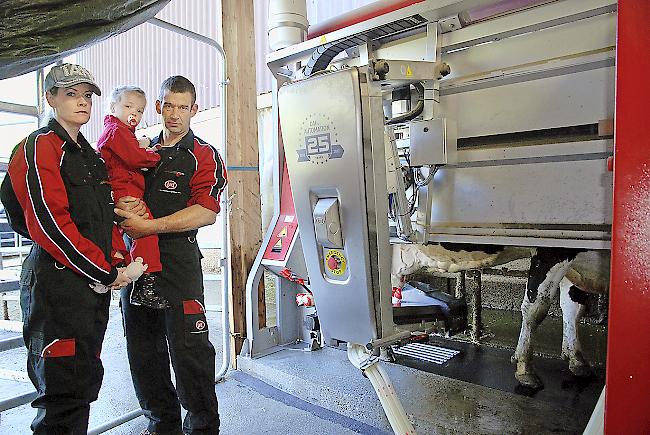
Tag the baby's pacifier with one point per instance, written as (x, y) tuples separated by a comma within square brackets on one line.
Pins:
[(132, 121)]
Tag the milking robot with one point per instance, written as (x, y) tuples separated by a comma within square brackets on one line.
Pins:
[(370, 117)]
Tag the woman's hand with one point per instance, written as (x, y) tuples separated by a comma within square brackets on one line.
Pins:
[(121, 280)]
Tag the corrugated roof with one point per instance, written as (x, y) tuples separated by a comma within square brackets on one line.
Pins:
[(146, 55)]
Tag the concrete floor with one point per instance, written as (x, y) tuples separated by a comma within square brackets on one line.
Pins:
[(246, 405), (436, 404), (292, 391)]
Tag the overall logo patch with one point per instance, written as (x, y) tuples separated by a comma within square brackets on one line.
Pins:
[(170, 184), (321, 140), (200, 325)]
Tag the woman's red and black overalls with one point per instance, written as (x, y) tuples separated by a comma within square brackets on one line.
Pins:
[(62, 188)]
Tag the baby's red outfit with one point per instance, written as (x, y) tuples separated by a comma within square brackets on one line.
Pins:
[(124, 160)]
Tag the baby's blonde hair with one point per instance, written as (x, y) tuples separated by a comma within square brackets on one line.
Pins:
[(116, 95)]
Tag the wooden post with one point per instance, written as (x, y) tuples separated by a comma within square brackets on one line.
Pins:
[(5, 307), (243, 172)]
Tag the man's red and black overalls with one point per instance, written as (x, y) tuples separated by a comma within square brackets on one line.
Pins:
[(189, 173), (62, 187)]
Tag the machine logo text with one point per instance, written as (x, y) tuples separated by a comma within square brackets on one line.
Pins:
[(320, 143)]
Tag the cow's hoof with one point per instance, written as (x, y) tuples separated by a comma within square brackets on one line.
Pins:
[(529, 380), (581, 370)]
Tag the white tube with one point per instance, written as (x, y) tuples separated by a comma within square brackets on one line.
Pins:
[(369, 364), (287, 23)]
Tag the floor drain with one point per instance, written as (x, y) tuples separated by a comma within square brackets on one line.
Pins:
[(426, 352)]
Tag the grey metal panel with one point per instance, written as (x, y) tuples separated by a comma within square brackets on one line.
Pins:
[(530, 240), (556, 44), (526, 186), (345, 304), (572, 99), (146, 55)]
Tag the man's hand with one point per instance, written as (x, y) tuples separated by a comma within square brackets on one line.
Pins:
[(135, 225), (132, 205)]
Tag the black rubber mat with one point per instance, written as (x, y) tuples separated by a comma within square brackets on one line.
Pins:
[(492, 368)]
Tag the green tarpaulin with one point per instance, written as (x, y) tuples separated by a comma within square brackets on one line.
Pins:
[(39, 32)]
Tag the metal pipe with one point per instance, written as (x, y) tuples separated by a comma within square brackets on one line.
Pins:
[(476, 305), (11, 343), (494, 10), (459, 290), (115, 423), (20, 109), (16, 401), (225, 257), (40, 96), (381, 342)]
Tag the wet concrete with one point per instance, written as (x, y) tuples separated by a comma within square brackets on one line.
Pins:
[(501, 329), (435, 404), (292, 391)]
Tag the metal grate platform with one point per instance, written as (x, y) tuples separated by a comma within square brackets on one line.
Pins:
[(426, 352)]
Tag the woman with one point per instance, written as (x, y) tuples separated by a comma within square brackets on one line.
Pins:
[(61, 185)]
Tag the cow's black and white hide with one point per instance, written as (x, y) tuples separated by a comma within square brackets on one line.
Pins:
[(567, 271)]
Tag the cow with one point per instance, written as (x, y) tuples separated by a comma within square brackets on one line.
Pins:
[(569, 272)]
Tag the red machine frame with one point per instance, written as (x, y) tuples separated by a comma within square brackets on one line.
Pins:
[(628, 351)]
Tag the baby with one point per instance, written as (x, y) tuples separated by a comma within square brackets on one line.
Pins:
[(126, 157)]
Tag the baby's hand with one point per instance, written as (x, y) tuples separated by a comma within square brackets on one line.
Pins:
[(144, 142), (99, 287), (135, 269)]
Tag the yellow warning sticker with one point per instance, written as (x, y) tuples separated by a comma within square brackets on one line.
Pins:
[(409, 72), (323, 40), (335, 262), (283, 232), (277, 247)]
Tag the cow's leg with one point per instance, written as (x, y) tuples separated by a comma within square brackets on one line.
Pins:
[(572, 311), (532, 314), (548, 267)]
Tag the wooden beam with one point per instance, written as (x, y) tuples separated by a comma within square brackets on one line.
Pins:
[(244, 179)]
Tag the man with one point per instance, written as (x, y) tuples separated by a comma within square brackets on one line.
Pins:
[(182, 193)]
